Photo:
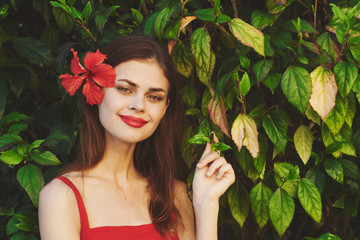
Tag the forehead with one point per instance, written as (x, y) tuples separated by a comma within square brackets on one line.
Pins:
[(145, 72)]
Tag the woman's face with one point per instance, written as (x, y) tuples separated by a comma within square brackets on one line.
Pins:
[(131, 111)]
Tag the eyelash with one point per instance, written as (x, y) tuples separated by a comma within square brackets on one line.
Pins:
[(152, 97), (123, 89), (156, 98)]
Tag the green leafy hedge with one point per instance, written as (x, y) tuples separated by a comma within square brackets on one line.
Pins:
[(276, 80)]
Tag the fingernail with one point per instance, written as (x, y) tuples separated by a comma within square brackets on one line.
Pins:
[(208, 173), (199, 165)]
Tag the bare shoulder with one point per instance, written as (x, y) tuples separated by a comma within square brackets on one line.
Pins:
[(180, 189), (57, 190), (58, 213), (183, 204)]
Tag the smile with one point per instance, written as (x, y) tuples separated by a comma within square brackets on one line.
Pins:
[(133, 121)]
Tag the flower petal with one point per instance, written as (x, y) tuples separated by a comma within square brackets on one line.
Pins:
[(71, 83), (104, 75), (93, 93), (76, 67), (92, 59)]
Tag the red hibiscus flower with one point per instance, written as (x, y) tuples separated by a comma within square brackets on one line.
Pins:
[(96, 73)]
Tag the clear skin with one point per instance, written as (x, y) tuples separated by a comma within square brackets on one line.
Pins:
[(116, 184)]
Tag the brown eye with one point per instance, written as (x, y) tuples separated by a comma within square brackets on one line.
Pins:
[(123, 89), (155, 98)]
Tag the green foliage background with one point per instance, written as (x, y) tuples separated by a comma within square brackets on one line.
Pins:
[(276, 80)]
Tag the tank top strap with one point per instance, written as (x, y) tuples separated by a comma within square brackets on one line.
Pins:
[(82, 211)]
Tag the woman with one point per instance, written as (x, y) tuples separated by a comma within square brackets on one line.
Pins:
[(122, 186)]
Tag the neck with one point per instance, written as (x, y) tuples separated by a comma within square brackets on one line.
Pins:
[(117, 163)]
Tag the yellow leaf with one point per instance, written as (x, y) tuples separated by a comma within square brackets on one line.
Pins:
[(324, 91), (248, 35), (244, 132), (185, 21), (237, 131)]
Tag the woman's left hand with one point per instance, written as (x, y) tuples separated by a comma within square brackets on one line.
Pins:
[(213, 176)]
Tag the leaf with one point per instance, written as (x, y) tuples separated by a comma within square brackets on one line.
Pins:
[(51, 37), (9, 139), (259, 198), (188, 93), (336, 118), (46, 158), (203, 55), (248, 35), (312, 115), (275, 125), (11, 157), (312, 47), (101, 17), (350, 110), (75, 13), (334, 169), (35, 144), (55, 137), (61, 5), (305, 26), (325, 42), (262, 68), (274, 8), (149, 24), (245, 62), (206, 14), (223, 18), (338, 13), (245, 84), (355, 51), (244, 132), (4, 90), (217, 113), (296, 85), (86, 12), (182, 58), (11, 226), (272, 80), (351, 170), (260, 161), (31, 179), (324, 91), (261, 20), (326, 236), (185, 21), (303, 141), (310, 199), (345, 75), (281, 210), (63, 19), (199, 138), (269, 50), (287, 177), (162, 20), (26, 223), (33, 50), (317, 176), (239, 202)]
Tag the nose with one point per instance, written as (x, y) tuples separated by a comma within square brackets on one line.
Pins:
[(137, 103)]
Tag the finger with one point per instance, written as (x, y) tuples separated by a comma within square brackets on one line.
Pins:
[(208, 158), (217, 164), (215, 137), (206, 150), (226, 169)]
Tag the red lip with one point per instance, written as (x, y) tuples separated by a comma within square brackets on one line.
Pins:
[(133, 121)]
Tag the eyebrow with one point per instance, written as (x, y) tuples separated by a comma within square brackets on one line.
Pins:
[(136, 86)]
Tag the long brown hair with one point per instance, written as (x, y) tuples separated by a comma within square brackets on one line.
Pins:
[(154, 157)]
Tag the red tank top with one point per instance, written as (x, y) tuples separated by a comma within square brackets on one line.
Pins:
[(140, 232)]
